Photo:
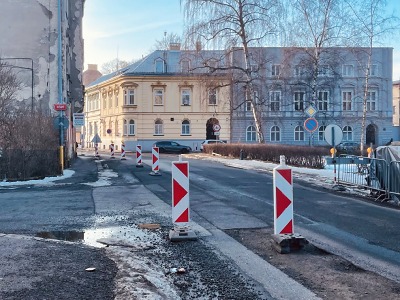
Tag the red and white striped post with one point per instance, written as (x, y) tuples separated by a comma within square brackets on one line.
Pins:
[(180, 202), (123, 151), (96, 150), (155, 168), (139, 156), (283, 198), (112, 150)]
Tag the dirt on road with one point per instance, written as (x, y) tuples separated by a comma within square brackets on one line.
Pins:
[(327, 275)]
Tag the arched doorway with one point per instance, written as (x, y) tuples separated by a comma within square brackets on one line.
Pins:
[(209, 129), (370, 136)]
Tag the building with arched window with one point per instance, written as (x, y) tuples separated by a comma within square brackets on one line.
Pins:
[(168, 95)]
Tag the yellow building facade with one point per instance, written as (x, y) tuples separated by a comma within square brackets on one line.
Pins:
[(161, 97)]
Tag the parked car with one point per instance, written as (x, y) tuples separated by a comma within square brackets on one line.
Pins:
[(171, 146), (208, 142), (348, 147)]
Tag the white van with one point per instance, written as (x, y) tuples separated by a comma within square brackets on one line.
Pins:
[(206, 142)]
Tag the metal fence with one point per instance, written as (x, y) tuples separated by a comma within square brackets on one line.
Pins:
[(379, 176), (17, 164)]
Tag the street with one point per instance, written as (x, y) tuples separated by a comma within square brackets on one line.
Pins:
[(108, 198)]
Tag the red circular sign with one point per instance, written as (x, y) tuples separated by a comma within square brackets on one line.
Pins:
[(311, 124)]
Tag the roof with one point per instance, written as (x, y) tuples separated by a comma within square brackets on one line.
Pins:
[(172, 61)]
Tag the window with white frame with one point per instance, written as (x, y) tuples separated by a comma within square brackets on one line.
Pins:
[(104, 102), (185, 66), (256, 97), (131, 127), (323, 97), (125, 128), (298, 100), (185, 96), (348, 70), (159, 65), (347, 133), (321, 133), (185, 127), (373, 70), (347, 100), (276, 70), (158, 96), (275, 100), (275, 134), (298, 71), (116, 100), (110, 102), (323, 70), (90, 129), (212, 96), (129, 97), (253, 67), (251, 134), (299, 133), (371, 100), (116, 129), (158, 127), (248, 106), (96, 128)]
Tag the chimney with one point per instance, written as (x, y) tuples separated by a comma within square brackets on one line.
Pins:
[(174, 46), (198, 46), (92, 67)]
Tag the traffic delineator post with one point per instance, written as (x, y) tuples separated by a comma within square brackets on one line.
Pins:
[(123, 151), (139, 156), (155, 167), (180, 202), (96, 150), (112, 150), (284, 237)]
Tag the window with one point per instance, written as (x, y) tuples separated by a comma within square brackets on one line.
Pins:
[(298, 71), (110, 102), (158, 127), (129, 97), (159, 66), (299, 101), (299, 133), (321, 133), (323, 100), (275, 134), (185, 127), (90, 129), (248, 106), (373, 70), (104, 103), (116, 100), (131, 127), (212, 97), (185, 96), (346, 100), (185, 66), (323, 70), (158, 97), (347, 133), (256, 98), (251, 134), (253, 67), (276, 70), (275, 100), (125, 128), (371, 100), (116, 129), (348, 70)]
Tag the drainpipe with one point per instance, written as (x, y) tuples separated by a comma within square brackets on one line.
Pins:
[(60, 88)]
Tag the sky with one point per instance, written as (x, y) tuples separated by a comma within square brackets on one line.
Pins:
[(128, 29)]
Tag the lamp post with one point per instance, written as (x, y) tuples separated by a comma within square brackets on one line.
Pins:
[(25, 68)]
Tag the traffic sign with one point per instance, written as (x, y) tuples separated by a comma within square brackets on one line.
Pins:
[(311, 124), (310, 111), (78, 119), (333, 135), (217, 127), (61, 121), (96, 139), (60, 106)]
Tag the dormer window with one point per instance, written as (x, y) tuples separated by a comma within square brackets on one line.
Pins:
[(160, 65), (185, 66)]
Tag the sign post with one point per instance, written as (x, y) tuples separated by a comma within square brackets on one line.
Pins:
[(333, 136)]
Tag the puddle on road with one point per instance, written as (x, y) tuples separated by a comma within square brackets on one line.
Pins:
[(91, 236)]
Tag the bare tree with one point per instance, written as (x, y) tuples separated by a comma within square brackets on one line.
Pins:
[(113, 66), (371, 25), (236, 25), (166, 41)]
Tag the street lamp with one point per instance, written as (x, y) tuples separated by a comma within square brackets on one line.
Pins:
[(25, 68)]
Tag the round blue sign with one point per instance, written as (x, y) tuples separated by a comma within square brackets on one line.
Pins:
[(311, 124)]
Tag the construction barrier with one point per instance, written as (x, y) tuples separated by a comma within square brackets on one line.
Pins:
[(112, 150), (155, 154), (139, 156), (180, 201), (123, 151), (283, 198)]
